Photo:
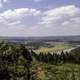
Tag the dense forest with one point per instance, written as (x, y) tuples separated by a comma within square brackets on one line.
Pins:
[(15, 62), (19, 63)]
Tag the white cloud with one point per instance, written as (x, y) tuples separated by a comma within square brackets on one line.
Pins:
[(31, 22), (5, 1), (20, 13), (18, 21), (13, 17), (61, 13), (63, 20), (37, 0), (65, 23), (14, 23), (76, 19)]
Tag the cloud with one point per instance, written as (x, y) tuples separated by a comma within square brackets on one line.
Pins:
[(18, 21), (66, 23), (14, 23), (3, 1), (63, 20), (12, 17), (20, 13), (60, 14), (36, 0)]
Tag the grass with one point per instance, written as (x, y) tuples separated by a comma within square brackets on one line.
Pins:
[(45, 71), (56, 47)]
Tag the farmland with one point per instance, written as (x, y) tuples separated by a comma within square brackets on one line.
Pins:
[(57, 46)]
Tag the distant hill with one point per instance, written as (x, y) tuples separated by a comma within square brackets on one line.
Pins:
[(49, 38)]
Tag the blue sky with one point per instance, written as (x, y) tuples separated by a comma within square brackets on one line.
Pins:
[(39, 17)]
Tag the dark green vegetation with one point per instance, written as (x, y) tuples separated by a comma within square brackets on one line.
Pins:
[(68, 57), (45, 71), (64, 66), (17, 63)]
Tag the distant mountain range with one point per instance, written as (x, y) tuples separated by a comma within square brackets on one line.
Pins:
[(48, 38)]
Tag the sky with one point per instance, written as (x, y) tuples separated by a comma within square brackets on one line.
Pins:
[(27, 18)]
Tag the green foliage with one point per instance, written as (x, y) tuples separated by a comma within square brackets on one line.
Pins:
[(15, 62), (64, 57), (45, 71)]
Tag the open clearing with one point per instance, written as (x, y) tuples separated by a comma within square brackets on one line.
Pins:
[(56, 47)]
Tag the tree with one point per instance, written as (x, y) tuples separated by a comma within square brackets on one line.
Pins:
[(9, 61), (28, 59)]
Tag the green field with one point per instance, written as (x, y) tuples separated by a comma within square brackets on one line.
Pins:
[(57, 46)]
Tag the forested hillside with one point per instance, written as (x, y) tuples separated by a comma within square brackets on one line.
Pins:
[(19, 63), (15, 62)]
